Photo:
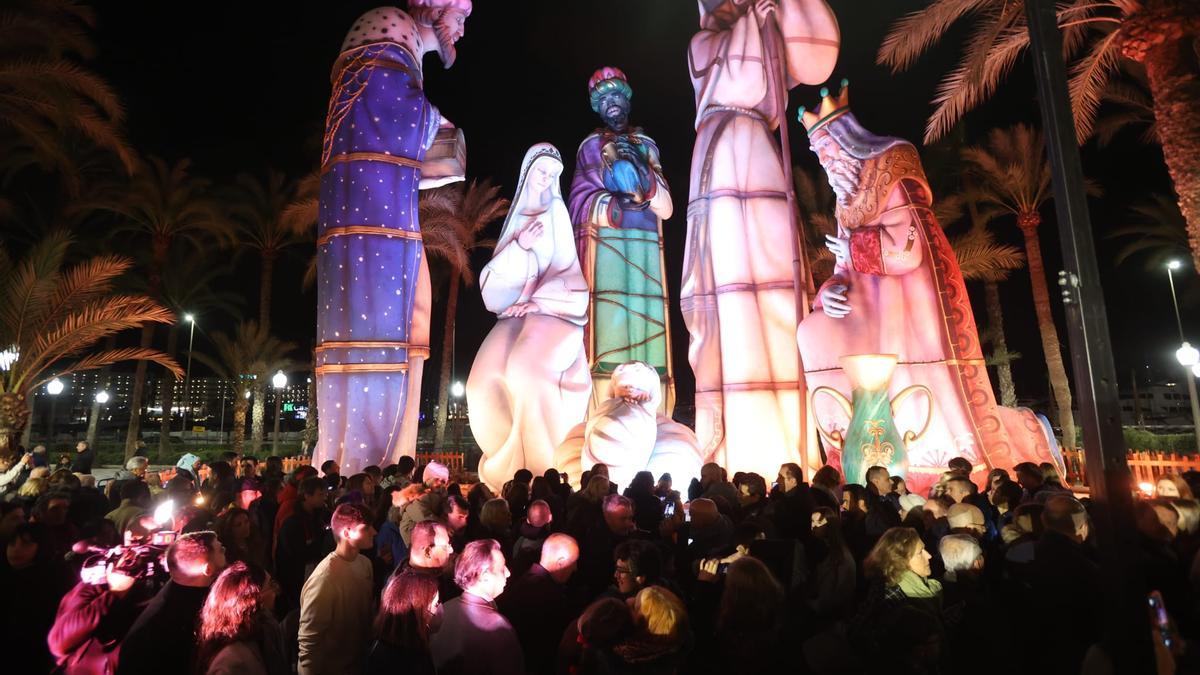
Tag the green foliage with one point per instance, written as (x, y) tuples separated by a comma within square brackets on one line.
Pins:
[(1141, 440)]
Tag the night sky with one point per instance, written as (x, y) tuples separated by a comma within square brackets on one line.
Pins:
[(244, 86)]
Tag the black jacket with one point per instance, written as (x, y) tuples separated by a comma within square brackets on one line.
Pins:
[(163, 639), (537, 607)]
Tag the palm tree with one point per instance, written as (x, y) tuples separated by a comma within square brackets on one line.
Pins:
[(46, 96), (51, 317), (1098, 35), (817, 203), (452, 220), (246, 360), (1156, 231), (258, 209), (163, 205), (1129, 106), (982, 258), (1012, 174)]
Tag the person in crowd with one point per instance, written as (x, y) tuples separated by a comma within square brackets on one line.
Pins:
[(432, 554), (330, 473), (336, 603), (1051, 476), (134, 470), (403, 475), (1005, 497), (883, 507), (249, 467), (273, 469), (163, 638), (475, 638), (537, 603), (710, 531), (750, 619), (1021, 535), (588, 644), (603, 537), (713, 486), (241, 538), (965, 518), (249, 491), (879, 484), (289, 498), (908, 503), (300, 542), (495, 522), (585, 509), (389, 545), (364, 485), (517, 493), (135, 500), (661, 637), (1187, 541), (1172, 486), (899, 487), (531, 534), (431, 504), (84, 457), (854, 519), (900, 574), (637, 564), (264, 509), (410, 612), (32, 580), (12, 472), (1033, 481), (831, 593), (827, 488), (544, 489), (238, 634), (647, 507), (963, 491), (51, 510), (458, 517), (12, 514), (752, 501)]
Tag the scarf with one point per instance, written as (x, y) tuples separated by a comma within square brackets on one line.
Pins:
[(913, 586)]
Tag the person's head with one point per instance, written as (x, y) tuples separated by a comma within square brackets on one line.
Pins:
[(659, 612), (329, 468), (909, 502), (301, 473), (665, 483), (962, 556), (248, 491), (959, 488), (704, 513), (29, 544), (711, 473), (960, 465), (1029, 475), (240, 594), (643, 481), (351, 525), (361, 483), (81, 446), (51, 509), (409, 610), (596, 490), (405, 466), (899, 551), (539, 514), (618, 513), (964, 518), (436, 476), (480, 569), (12, 514), (609, 94), (1167, 516), (789, 476), (997, 477), (64, 480), (446, 20), (249, 466), (458, 512), (1189, 514), (234, 527), (560, 556), (312, 493), (854, 498), (600, 469), (1065, 515), (495, 515), (879, 478), (1172, 486), (195, 559), (1005, 496), (899, 486), (752, 488), (605, 623), (431, 546), (638, 563), (137, 492), (827, 477), (137, 466), (752, 601)]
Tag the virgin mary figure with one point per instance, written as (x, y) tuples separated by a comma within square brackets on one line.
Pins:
[(530, 384)]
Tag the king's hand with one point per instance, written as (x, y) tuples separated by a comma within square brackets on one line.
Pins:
[(834, 301)]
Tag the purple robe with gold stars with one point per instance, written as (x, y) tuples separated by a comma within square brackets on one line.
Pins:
[(373, 283)]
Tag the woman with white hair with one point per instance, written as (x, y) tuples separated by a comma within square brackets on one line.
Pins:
[(530, 383)]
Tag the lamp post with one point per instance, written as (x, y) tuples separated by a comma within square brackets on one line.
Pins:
[(1187, 355), (279, 381), (54, 388), (457, 390), (187, 382), (102, 397)]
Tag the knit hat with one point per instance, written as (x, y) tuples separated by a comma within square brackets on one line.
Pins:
[(910, 500), (435, 470)]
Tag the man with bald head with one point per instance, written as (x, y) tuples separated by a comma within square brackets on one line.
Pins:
[(710, 532), (531, 533), (1066, 581), (537, 604)]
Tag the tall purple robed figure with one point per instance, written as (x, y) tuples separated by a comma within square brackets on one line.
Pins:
[(373, 282)]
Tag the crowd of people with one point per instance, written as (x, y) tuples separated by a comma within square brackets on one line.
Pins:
[(407, 569)]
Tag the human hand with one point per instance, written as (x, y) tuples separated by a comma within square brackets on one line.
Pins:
[(765, 7), (708, 570), (520, 309), (27, 459), (840, 246), (119, 582), (530, 234), (834, 300)]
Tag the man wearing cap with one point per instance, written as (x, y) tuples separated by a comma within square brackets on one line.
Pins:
[(618, 201), (429, 506), (373, 292)]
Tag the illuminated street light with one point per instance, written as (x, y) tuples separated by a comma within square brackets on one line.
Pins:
[(55, 387), (187, 383), (457, 390), (102, 397), (1174, 265), (1188, 355), (279, 381)]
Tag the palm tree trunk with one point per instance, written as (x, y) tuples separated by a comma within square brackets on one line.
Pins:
[(167, 398), (1162, 36), (1059, 384), (134, 432), (1004, 379), (104, 381), (447, 362), (311, 423), (256, 424), (14, 415), (239, 422), (264, 290)]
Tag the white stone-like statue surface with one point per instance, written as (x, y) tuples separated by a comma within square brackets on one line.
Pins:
[(628, 434), (529, 383)]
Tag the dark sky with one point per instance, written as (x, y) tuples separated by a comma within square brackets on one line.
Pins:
[(243, 86)]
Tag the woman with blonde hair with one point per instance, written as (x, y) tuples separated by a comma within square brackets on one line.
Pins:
[(661, 637), (1172, 486)]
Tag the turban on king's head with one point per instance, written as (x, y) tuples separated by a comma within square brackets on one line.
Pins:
[(605, 80), (464, 5)]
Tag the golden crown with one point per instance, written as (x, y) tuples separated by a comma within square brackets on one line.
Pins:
[(831, 108)]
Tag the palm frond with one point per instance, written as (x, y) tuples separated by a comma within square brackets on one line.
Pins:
[(915, 33), (107, 358), (1089, 77)]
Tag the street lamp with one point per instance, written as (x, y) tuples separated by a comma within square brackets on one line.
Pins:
[(102, 397), (187, 382), (54, 388), (279, 381), (1187, 355)]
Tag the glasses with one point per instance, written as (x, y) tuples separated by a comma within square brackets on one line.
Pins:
[(624, 571)]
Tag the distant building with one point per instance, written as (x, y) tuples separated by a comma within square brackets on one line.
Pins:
[(1162, 404)]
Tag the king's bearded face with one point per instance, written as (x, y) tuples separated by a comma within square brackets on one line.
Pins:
[(449, 29), (841, 169), (614, 109)]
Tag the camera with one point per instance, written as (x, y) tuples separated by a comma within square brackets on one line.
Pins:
[(142, 561)]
